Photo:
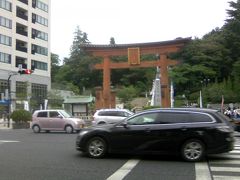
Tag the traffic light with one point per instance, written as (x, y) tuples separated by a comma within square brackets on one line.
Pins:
[(25, 71)]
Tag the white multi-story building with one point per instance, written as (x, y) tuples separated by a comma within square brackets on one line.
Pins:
[(25, 43)]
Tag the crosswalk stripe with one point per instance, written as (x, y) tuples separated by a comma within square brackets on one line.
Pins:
[(230, 156), (225, 169), (124, 170), (232, 161), (235, 151), (202, 171), (226, 177)]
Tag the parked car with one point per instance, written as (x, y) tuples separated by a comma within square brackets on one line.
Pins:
[(110, 116), (55, 120), (191, 133)]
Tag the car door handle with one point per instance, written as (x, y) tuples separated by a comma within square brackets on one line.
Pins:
[(183, 128), (148, 130)]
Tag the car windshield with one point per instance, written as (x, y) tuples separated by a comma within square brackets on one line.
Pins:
[(65, 114)]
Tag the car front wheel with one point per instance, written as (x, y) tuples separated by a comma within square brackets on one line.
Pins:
[(193, 150), (96, 147)]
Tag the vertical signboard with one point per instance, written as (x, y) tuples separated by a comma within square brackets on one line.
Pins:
[(134, 56)]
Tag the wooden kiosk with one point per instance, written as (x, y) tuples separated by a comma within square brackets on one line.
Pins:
[(105, 98)]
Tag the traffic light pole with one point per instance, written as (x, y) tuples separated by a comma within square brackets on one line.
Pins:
[(9, 96)]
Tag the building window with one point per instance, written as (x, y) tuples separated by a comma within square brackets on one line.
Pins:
[(39, 50), (5, 58), (21, 90), (21, 45), (22, 13), (3, 86), (21, 29), (6, 40), (4, 4), (5, 22), (41, 5), (21, 62), (24, 1), (39, 92), (39, 35), (40, 65), (39, 19)]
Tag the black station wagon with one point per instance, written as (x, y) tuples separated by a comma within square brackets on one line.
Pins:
[(191, 133)]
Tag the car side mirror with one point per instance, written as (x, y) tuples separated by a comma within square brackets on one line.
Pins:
[(59, 116), (125, 124)]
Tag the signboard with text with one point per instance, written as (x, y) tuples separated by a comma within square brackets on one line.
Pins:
[(133, 56)]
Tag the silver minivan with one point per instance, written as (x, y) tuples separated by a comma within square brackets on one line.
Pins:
[(55, 120), (110, 116)]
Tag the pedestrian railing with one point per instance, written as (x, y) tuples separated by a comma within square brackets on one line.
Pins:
[(87, 119)]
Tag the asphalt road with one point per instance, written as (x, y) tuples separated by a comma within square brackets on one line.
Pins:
[(29, 156)]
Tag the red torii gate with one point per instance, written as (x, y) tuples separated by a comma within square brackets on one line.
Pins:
[(105, 98)]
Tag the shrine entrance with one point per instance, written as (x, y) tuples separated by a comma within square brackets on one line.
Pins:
[(105, 98)]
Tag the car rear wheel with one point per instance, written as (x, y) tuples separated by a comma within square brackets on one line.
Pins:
[(96, 147), (101, 123), (69, 129), (36, 129), (193, 150)]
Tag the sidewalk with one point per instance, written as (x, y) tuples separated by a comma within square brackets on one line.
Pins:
[(4, 124)]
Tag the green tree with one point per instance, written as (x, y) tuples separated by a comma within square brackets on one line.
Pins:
[(78, 67), (55, 66), (126, 95)]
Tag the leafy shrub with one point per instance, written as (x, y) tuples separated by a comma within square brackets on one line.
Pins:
[(21, 115)]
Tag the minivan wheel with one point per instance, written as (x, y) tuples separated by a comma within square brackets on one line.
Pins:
[(36, 129), (96, 147), (69, 129), (193, 150)]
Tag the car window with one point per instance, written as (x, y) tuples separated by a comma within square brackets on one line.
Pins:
[(42, 114), (197, 117), (126, 114), (101, 113), (150, 118), (53, 114), (120, 113), (173, 117), (182, 117), (65, 114)]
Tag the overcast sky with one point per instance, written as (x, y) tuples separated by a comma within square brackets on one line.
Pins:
[(132, 21)]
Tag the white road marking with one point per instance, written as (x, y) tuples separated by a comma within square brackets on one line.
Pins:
[(202, 171), (226, 177), (232, 161), (235, 151), (6, 141), (226, 169), (124, 170)]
